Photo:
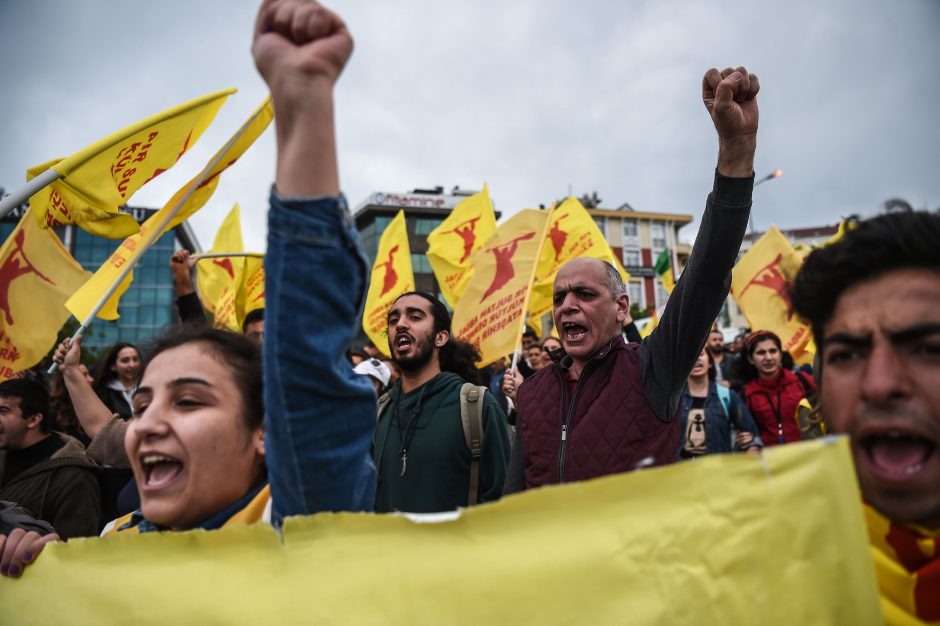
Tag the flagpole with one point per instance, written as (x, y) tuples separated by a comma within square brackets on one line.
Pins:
[(27, 191), (157, 232), (224, 255)]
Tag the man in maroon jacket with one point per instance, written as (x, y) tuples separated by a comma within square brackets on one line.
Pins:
[(608, 406)]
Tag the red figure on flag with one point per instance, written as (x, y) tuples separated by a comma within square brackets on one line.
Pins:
[(504, 269), (225, 264), (771, 277), (467, 232), (391, 276), (11, 269), (558, 236)]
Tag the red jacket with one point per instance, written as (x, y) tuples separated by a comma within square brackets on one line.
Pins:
[(773, 404)]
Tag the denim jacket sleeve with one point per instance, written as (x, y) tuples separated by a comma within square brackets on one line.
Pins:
[(744, 420), (319, 414)]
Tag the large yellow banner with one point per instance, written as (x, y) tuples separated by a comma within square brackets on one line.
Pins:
[(244, 294), (392, 276), (760, 285), (572, 234), (83, 302), (213, 276), (95, 181), (451, 245), (491, 314), (729, 539), (37, 274)]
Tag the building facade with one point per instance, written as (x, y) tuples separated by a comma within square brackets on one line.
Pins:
[(638, 238)]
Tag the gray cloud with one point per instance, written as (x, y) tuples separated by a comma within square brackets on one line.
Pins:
[(529, 96)]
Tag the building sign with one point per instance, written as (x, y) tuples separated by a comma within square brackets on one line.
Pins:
[(418, 200)]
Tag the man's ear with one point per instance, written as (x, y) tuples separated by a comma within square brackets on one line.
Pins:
[(441, 339), (623, 307), (257, 440), (34, 420)]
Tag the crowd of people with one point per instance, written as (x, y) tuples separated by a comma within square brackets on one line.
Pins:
[(208, 428)]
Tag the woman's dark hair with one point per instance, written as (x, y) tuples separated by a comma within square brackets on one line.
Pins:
[(743, 368), (711, 367), (61, 404), (235, 351), (103, 373), (456, 355)]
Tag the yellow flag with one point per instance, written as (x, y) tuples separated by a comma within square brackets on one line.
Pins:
[(760, 285), (450, 245), (214, 275), (491, 314), (244, 294), (190, 198), (37, 274), (95, 181), (391, 276), (572, 234), (667, 545)]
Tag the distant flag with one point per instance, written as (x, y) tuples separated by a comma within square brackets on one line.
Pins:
[(491, 314), (392, 276), (663, 269), (572, 234), (37, 274), (450, 245), (244, 294), (95, 181), (214, 276), (760, 285), (189, 199)]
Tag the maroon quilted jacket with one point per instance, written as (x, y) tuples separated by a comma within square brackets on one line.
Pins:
[(605, 428)]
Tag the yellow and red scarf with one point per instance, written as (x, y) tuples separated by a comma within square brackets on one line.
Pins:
[(907, 565)]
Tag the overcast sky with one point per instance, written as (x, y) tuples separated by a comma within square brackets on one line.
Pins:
[(534, 97)]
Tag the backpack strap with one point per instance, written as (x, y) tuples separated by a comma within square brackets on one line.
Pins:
[(808, 392), (471, 418), (384, 399)]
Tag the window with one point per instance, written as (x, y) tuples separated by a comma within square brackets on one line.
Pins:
[(631, 257), (601, 225), (424, 225), (657, 236), (629, 230), (420, 264), (661, 295), (635, 291)]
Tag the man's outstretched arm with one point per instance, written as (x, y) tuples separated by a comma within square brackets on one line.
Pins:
[(730, 96)]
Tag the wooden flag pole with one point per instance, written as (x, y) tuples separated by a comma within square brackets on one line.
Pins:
[(222, 255)]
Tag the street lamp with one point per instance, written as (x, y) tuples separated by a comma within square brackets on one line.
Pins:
[(750, 218)]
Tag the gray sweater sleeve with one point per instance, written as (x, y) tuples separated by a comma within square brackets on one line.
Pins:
[(667, 355)]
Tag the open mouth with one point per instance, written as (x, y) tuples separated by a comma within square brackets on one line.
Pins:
[(573, 332), (403, 341), (897, 454), (159, 471)]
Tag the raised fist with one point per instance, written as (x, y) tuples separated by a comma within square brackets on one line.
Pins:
[(299, 39), (731, 99)]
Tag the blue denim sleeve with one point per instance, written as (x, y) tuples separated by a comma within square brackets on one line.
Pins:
[(745, 419), (320, 415)]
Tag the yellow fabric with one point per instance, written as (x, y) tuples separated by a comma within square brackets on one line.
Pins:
[(651, 326), (37, 274), (909, 595), (213, 276), (252, 513), (391, 276), (450, 245), (669, 282), (242, 295), (760, 283), (572, 233), (188, 200), (95, 181), (491, 314), (682, 544)]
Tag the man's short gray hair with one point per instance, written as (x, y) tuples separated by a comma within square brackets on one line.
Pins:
[(614, 281)]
